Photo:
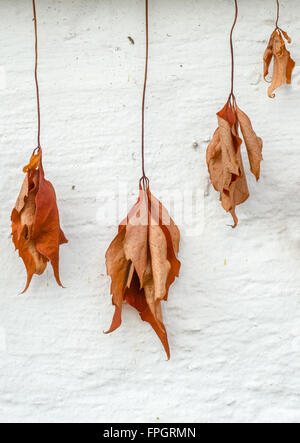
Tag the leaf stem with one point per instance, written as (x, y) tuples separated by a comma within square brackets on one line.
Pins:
[(36, 76), (231, 49), (144, 180)]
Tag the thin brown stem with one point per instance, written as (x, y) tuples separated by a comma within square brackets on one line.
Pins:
[(36, 76), (231, 49), (277, 19), (144, 178)]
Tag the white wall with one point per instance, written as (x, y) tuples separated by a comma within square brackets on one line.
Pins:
[(233, 317)]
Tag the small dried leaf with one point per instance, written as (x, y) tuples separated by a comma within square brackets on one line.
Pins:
[(283, 63), (224, 158), (225, 163)]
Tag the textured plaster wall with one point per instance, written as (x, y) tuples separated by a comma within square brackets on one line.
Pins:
[(233, 317)]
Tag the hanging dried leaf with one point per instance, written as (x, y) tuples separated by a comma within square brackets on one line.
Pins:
[(283, 64), (224, 159), (35, 222), (142, 263)]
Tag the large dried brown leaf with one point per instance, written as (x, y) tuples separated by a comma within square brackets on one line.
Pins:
[(142, 262), (35, 222), (283, 64)]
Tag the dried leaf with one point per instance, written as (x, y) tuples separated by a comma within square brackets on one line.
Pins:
[(224, 158), (159, 261), (142, 262), (253, 143), (35, 222), (283, 63)]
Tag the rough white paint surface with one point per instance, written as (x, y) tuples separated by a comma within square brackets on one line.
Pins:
[(233, 317)]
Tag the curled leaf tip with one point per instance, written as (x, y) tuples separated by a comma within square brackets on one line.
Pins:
[(235, 220), (116, 321)]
